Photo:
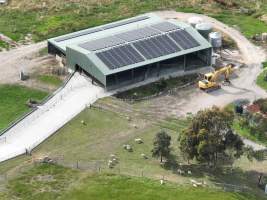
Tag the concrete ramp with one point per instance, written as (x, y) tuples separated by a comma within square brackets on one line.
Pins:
[(69, 101)]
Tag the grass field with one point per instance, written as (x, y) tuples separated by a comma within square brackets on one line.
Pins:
[(261, 80), (43, 52), (46, 181), (104, 133), (4, 45), (13, 100), (248, 25), (89, 139), (50, 80), (120, 188), (53, 19), (246, 133)]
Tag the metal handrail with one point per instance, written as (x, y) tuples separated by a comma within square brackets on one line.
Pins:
[(15, 122)]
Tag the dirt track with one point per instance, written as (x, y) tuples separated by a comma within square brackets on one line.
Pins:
[(243, 86), (15, 60)]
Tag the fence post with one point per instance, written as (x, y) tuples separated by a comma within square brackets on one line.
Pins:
[(77, 164)]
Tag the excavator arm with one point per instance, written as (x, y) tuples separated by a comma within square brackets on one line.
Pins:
[(226, 71), (210, 81)]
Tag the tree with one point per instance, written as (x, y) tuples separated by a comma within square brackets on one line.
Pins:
[(187, 145), (161, 143), (209, 137)]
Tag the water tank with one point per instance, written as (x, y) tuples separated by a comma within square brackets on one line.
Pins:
[(193, 21), (215, 39), (204, 29)]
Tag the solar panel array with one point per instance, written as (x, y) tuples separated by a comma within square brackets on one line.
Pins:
[(120, 56), (138, 45), (165, 26), (128, 36), (184, 39), (102, 43), (138, 34), (114, 25), (156, 46), (151, 44)]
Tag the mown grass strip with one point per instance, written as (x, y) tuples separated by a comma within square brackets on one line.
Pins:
[(13, 99), (50, 80)]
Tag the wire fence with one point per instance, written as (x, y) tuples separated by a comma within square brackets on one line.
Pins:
[(28, 113), (56, 98), (171, 91), (102, 167)]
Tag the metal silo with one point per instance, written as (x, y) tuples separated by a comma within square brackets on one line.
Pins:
[(204, 29), (215, 39), (193, 21)]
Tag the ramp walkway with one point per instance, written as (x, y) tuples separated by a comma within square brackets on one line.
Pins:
[(69, 101)]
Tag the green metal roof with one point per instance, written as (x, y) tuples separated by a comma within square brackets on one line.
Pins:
[(97, 35), (73, 43)]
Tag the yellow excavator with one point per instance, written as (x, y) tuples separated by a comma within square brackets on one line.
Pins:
[(210, 81)]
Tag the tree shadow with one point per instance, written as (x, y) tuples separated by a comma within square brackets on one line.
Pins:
[(171, 163), (224, 177), (246, 181)]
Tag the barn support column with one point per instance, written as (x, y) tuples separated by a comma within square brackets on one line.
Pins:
[(209, 57), (184, 62), (158, 69), (147, 71), (116, 79), (132, 75)]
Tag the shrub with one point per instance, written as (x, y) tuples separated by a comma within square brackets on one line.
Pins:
[(239, 109), (162, 84), (262, 103)]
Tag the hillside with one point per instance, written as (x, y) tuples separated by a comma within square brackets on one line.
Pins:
[(45, 19)]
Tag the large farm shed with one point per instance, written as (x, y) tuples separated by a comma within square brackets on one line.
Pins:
[(134, 50)]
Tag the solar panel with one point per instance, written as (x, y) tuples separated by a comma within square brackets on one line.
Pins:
[(165, 26), (120, 56), (102, 43), (189, 38), (184, 39), (156, 46), (78, 34), (138, 34), (114, 25)]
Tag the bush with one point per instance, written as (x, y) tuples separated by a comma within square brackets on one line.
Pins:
[(262, 103), (239, 109), (162, 84), (244, 122)]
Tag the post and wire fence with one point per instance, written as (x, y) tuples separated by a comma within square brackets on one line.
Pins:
[(102, 167)]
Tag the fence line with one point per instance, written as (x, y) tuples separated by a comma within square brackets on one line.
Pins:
[(26, 114), (101, 167), (165, 92)]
